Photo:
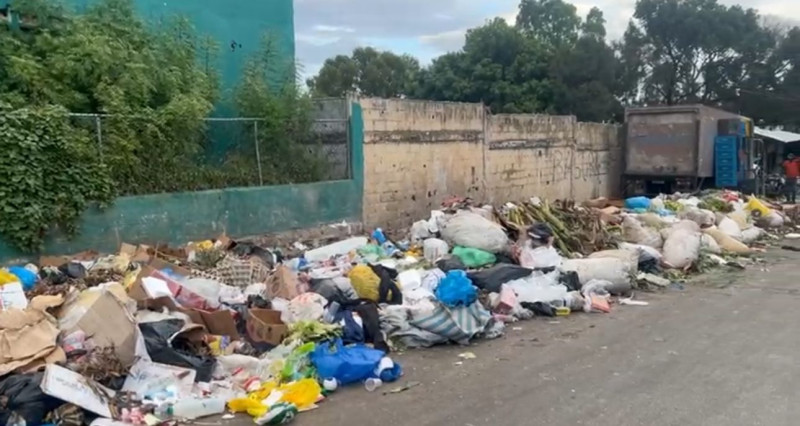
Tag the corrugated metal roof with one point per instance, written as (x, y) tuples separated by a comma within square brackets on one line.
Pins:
[(778, 135)]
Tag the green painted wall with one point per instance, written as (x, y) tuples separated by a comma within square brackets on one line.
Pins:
[(182, 217), (242, 21)]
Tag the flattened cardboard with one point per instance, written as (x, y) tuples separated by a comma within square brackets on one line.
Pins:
[(70, 386), (265, 326)]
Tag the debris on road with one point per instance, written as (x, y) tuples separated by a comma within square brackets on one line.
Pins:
[(154, 335)]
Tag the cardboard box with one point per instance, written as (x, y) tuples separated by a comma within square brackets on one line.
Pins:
[(102, 313), (70, 386), (265, 326)]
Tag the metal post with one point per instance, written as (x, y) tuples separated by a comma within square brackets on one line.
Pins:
[(258, 153), (99, 128)]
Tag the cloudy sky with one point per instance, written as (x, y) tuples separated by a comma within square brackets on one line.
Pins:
[(428, 28)]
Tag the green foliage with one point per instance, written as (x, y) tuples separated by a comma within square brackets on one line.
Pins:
[(554, 23), (368, 72), (686, 51), (498, 66), (146, 91), (50, 174), (286, 130)]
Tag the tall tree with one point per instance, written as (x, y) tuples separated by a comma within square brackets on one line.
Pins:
[(692, 50), (554, 23), (497, 66), (585, 74), (368, 72)]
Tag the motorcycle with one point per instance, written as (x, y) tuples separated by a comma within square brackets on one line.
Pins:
[(775, 185)]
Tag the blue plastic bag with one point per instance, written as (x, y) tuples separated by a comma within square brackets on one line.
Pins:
[(634, 203), (346, 364), (26, 278), (456, 289)]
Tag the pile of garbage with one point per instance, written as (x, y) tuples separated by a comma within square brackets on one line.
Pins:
[(156, 335)]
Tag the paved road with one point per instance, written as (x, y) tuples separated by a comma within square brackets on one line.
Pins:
[(719, 353)]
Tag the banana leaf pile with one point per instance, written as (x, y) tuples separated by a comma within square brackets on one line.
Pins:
[(578, 231)]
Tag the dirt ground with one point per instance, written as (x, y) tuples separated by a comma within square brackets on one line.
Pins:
[(720, 352)]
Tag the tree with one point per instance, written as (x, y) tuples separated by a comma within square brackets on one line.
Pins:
[(692, 50), (498, 66), (554, 23), (585, 74), (368, 72)]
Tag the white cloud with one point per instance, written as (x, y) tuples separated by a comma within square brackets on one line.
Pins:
[(447, 41), (332, 29)]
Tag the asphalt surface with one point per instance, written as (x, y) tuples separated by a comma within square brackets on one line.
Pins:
[(722, 352)]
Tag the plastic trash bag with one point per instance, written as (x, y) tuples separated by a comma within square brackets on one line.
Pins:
[(365, 282), (472, 230), (434, 249), (419, 231), (634, 232), (730, 228), (302, 393), (448, 264), (165, 345), (21, 397), (645, 253), (474, 258), (726, 243), (538, 287), (772, 220), (611, 269), (636, 203), (26, 278), (305, 307), (709, 244), (750, 235), (456, 289), (493, 278), (682, 248), (703, 218), (346, 364), (540, 257)]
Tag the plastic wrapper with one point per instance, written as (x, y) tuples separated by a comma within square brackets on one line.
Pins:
[(474, 258), (540, 257), (538, 287), (456, 289)]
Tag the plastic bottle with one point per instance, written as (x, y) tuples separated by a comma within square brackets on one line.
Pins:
[(194, 408)]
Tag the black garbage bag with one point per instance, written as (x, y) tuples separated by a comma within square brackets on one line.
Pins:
[(450, 263), (492, 278), (180, 353), (74, 270), (247, 248), (21, 394), (571, 280)]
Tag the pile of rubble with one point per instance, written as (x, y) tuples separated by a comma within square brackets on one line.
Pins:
[(157, 335)]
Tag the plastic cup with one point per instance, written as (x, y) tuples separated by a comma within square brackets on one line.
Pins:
[(372, 383)]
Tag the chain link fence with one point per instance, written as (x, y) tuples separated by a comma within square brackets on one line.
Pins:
[(157, 154)]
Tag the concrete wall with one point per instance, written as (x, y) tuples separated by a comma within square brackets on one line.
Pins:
[(418, 153)]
